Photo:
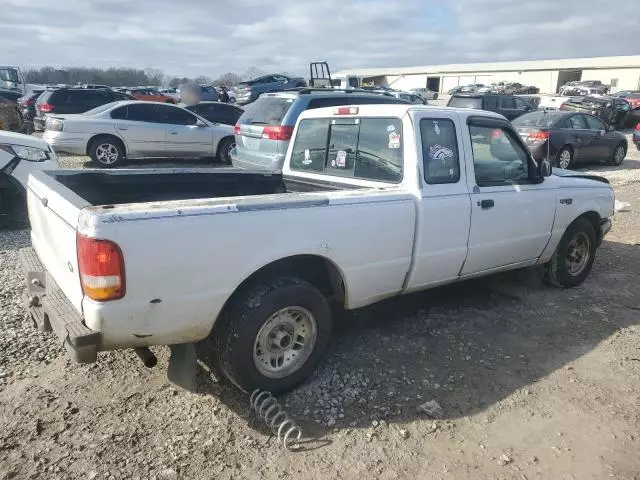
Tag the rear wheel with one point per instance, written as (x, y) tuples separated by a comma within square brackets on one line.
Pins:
[(564, 158), (573, 259), (107, 152), (618, 156), (273, 335), (227, 145)]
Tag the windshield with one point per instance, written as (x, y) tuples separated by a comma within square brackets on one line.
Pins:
[(9, 75), (465, 102), (100, 109), (266, 111), (536, 119)]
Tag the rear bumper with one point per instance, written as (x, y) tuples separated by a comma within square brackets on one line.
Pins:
[(254, 160), (65, 142), (52, 311)]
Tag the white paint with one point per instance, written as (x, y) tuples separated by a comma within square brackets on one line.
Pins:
[(384, 239)]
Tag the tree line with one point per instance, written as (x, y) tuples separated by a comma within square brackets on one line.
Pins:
[(128, 77)]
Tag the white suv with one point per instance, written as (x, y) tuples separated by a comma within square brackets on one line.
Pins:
[(19, 155)]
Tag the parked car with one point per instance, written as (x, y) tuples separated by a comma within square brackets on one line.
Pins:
[(264, 129), (20, 155), (570, 138), (506, 105), (151, 95), (217, 112), (612, 110), (581, 91), (373, 201), (552, 102), (633, 99), (126, 130), (72, 100), (623, 93), (455, 90), (28, 105), (425, 93), (250, 90), (636, 136), (633, 119)]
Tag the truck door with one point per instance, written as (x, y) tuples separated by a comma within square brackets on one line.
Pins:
[(442, 231), (511, 215)]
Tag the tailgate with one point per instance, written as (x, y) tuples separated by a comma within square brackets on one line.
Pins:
[(53, 213)]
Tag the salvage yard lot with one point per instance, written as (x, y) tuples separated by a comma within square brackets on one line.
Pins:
[(534, 382)]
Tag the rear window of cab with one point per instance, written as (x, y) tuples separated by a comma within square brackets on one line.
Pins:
[(363, 148)]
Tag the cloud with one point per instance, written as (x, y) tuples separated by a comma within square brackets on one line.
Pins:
[(200, 37)]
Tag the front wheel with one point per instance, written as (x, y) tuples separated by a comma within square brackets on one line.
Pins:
[(573, 259), (273, 335), (225, 149), (618, 156)]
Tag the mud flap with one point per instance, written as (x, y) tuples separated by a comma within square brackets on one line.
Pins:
[(182, 366)]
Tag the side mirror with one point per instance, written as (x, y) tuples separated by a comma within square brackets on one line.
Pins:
[(200, 123), (611, 128), (544, 168)]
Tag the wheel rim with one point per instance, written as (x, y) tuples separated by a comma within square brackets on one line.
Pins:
[(230, 149), (578, 253), (565, 159), (285, 342), (619, 155), (106, 153)]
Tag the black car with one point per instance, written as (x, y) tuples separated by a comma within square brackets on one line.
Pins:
[(569, 138), (73, 100), (217, 112), (612, 110), (28, 105), (507, 105)]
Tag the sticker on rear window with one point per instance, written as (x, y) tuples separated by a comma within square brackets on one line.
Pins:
[(307, 157), (438, 152), (391, 128), (341, 159), (394, 140)]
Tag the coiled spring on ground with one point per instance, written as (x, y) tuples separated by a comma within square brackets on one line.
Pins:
[(267, 407)]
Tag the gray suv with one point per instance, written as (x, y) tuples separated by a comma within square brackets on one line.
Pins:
[(264, 130)]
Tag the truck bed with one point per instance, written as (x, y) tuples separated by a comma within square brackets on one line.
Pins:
[(139, 186)]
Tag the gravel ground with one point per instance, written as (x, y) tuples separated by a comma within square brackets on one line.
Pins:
[(533, 382)]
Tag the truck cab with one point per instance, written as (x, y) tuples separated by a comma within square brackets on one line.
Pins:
[(11, 78)]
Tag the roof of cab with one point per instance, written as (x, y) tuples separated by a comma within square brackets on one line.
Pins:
[(396, 110)]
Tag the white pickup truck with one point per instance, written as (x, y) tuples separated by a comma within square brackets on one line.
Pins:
[(373, 201)]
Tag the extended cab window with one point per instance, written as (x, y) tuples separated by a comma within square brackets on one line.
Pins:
[(498, 159), (367, 148), (439, 151)]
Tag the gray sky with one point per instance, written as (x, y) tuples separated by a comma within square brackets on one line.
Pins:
[(210, 37)]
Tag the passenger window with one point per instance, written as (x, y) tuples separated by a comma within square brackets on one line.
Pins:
[(595, 123), (498, 159), (577, 121), (310, 148), (439, 151), (119, 113)]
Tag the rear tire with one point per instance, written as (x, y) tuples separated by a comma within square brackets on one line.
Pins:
[(564, 158), (574, 256), (618, 156), (273, 335), (225, 149), (107, 152)]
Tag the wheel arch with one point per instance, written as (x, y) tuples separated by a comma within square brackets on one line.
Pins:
[(221, 141), (594, 218), (317, 270)]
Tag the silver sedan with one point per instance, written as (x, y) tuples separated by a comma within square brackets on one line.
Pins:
[(116, 132)]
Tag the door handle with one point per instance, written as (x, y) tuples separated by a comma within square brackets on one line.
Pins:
[(485, 204), (173, 133), (122, 128)]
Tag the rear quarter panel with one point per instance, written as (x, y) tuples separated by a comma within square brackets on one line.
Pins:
[(183, 260)]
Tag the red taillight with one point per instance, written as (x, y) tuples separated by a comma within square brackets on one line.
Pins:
[(346, 111), (236, 129), (539, 135), (277, 132), (46, 107), (638, 127), (101, 267)]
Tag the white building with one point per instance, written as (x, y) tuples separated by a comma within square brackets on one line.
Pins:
[(622, 73)]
